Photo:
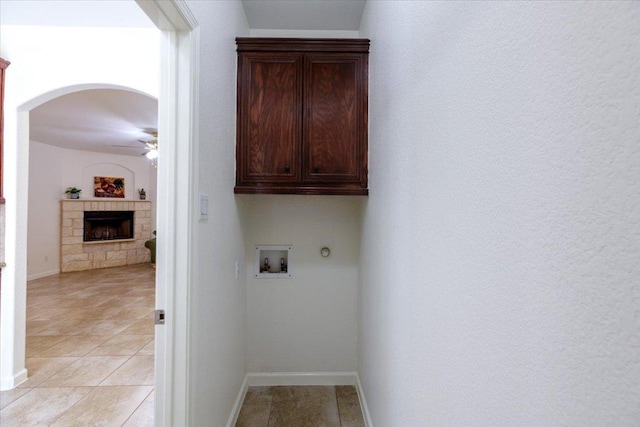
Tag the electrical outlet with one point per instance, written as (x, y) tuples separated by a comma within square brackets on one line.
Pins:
[(237, 269), (204, 207)]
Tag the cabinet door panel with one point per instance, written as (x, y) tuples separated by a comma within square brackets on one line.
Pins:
[(333, 130), (269, 122)]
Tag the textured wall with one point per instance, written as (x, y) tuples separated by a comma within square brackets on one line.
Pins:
[(499, 273), (307, 323), (218, 311)]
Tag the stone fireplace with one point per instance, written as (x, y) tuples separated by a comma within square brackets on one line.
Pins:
[(101, 234)]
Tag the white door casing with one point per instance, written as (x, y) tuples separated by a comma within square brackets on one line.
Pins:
[(177, 173)]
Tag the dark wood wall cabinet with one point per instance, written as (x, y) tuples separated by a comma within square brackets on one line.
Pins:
[(302, 116)]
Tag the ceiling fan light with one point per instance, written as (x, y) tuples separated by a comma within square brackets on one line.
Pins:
[(152, 154)]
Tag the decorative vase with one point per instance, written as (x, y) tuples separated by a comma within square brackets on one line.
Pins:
[(74, 195)]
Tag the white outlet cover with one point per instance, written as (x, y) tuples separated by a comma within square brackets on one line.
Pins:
[(204, 207)]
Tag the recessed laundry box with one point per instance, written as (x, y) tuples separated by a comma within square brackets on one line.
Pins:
[(273, 262)]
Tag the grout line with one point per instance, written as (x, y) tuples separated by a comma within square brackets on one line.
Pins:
[(138, 407), (21, 396), (52, 313), (113, 372), (56, 372), (79, 400), (337, 405), (270, 407)]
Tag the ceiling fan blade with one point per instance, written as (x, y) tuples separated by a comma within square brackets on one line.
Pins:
[(150, 145)]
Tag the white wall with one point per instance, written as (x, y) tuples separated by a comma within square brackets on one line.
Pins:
[(307, 323), (499, 258), (45, 61), (218, 312), (51, 171)]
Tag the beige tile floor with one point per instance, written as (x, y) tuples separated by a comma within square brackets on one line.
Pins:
[(301, 406), (89, 351)]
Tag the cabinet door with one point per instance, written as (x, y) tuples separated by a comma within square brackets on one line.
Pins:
[(335, 134), (269, 118)]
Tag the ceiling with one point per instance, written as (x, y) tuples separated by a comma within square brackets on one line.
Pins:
[(96, 120), (74, 13), (261, 14), (304, 14)]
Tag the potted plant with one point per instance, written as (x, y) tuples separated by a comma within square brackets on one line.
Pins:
[(73, 192), (143, 194)]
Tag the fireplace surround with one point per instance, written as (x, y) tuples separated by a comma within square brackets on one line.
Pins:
[(110, 247)]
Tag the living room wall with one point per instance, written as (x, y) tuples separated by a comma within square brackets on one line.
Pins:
[(52, 170)]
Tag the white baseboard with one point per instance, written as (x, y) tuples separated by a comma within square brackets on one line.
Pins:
[(13, 381), (363, 403), (302, 378), (290, 378), (235, 411), (43, 274)]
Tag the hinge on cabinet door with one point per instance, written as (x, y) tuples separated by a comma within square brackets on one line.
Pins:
[(159, 317)]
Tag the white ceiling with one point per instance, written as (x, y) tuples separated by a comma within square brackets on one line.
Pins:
[(96, 120), (261, 14), (304, 14), (74, 13)]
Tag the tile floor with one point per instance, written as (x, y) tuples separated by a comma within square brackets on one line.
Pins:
[(297, 406), (89, 354), (89, 351)]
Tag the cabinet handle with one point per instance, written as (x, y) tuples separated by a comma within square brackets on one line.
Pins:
[(287, 168), (316, 169)]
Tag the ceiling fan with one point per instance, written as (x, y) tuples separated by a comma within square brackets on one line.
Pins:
[(150, 147)]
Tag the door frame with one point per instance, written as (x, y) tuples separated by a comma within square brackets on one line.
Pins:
[(177, 173), (177, 178)]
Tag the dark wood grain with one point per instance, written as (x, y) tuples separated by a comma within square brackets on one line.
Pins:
[(302, 116), (269, 123), (331, 122), (273, 44), (316, 189)]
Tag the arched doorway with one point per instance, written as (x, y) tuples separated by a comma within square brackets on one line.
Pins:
[(176, 129)]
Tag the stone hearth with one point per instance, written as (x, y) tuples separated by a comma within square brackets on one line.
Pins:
[(76, 255)]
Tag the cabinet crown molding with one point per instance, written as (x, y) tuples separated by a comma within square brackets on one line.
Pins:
[(274, 44)]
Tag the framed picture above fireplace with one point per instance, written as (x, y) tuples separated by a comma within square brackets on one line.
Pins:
[(105, 186)]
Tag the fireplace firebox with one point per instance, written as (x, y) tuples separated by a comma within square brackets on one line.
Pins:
[(108, 225)]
